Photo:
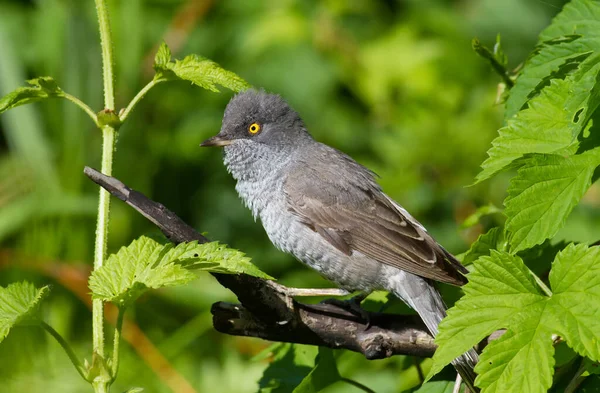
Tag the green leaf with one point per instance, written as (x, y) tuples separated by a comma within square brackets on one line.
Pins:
[(543, 194), (43, 87), (217, 258), (146, 264), (322, 375), (574, 33), (291, 364), (500, 289), (438, 387), (575, 282), (492, 239), (551, 123), (19, 303), (198, 70), (521, 360), (481, 212), (163, 56), (502, 293)]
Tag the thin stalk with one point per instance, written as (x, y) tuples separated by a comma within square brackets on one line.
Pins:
[(83, 106), (108, 144), (107, 54), (577, 379), (357, 384), (139, 97), (543, 286), (117, 342), (74, 359), (101, 383)]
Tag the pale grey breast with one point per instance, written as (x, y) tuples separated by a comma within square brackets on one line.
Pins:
[(260, 174)]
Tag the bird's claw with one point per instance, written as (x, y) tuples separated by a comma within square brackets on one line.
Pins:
[(352, 305)]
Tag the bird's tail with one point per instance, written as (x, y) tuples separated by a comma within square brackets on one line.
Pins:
[(424, 298)]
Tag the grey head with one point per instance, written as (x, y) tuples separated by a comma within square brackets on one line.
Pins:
[(255, 118)]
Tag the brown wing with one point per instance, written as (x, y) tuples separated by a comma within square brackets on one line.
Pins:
[(353, 214)]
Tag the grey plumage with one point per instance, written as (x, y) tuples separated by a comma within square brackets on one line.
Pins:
[(328, 211)]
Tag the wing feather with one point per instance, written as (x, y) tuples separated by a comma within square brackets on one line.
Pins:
[(353, 214)]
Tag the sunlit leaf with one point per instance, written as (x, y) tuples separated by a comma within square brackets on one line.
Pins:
[(573, 35), (544, 192), (146, 264), (19, 303), (198, 70), (551, 122), (41, 88), (502, 293)]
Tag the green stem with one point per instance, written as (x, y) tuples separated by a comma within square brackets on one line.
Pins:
[(139, 97), (101, 383), (108, 143), (544, 287), (107, 54), (576, 380), (65, 345), (83, 106), (116, 343), (357, 384)]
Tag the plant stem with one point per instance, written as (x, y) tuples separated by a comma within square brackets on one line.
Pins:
[(357, 384), (107, 54), (577, 379), (101, 383), (139, 97), (116, 343), (78, 366), (83, 106), (544, 287)]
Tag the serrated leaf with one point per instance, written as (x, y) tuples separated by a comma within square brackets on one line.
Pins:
[(146, 264), (501, 366), (522, 359), (198, 70), (575, 282), (19, 303), (543, 194), (163, 56), (552, 121), (499, 290), (218, 258), (41, 88), (492, 239), (575, 31)]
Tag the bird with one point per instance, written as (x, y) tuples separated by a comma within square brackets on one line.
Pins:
[(328, 211)]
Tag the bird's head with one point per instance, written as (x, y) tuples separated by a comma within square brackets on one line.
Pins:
[(254, 118)]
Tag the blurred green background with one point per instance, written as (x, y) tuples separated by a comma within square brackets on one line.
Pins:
[(395, 84)]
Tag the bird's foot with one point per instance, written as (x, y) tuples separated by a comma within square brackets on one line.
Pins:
[(352, 305)]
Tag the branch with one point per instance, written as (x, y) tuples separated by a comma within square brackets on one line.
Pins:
[(268, 312)]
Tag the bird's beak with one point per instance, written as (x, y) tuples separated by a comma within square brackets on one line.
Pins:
[(217, 141)]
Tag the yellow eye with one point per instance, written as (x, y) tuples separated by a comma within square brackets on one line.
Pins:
[(254, 128)]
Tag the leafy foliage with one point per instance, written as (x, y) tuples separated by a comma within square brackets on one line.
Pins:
[(19, 303), (492, 239), (299, 369), (551, 122), (146, 264), (544, 192), (200, 71), (573, 35), (41, 88), (502, 293)]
